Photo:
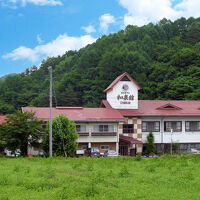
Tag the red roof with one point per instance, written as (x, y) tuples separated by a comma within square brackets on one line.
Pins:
[(119, 78), (77, 113), (105, 104), (157, 108), (2, 118), (129, 140)]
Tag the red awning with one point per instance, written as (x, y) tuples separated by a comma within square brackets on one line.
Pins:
[(129, 140)]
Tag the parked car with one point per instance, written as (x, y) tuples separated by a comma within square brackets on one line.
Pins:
[(194, 151), (110, 153), (11, 154), (92, 152), (80, 152)]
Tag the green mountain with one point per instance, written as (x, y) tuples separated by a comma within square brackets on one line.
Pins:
[(164, 59)]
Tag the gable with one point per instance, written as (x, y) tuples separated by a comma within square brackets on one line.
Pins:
[(169, 106), (124, 77)]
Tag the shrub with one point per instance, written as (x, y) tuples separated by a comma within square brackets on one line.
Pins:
[(150, 144), (138, 157)]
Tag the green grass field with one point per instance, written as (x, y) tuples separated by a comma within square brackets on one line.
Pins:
[(161, 178)]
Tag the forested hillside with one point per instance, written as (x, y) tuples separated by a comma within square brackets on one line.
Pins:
[(164, 59)]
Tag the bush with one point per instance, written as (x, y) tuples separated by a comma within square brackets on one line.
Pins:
[(150, 144), (138, 157)]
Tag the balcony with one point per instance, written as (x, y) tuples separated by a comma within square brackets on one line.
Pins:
[(104, 133), (83, 133)]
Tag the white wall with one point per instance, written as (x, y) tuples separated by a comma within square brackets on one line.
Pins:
[(112, 95), (90, 138), (165, 137)]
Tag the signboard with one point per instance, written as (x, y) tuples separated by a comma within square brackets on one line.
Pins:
[(125, 97)]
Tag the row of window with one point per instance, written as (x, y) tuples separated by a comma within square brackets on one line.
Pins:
[(103, 147), (176, 126), (154, 126), (96, 128), (147, 126)]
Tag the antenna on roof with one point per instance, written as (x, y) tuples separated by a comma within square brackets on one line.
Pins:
[(50, 112)]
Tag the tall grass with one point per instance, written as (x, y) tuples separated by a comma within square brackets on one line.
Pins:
[(163, 178)]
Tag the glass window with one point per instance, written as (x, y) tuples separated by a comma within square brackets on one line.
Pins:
[(192, 126), (128, 128), (150, 126), (176, 126), (81, 128), (103, 128), (84, 147), (105, 147)]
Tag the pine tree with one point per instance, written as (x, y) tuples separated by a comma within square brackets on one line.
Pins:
[(150, 145)]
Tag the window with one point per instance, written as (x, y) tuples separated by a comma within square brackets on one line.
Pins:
[(128, 128), (84, 147), (105, 147), (176, 126), (80, 128), (150, 126), (192, 126), (103, 128)]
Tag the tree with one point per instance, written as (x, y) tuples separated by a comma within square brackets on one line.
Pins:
[(150, 144), (64, 137), (19, 130)]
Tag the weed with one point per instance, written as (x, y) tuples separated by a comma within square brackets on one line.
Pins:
[(138, 157), (16, 168), (91, 190), (90, 167), (124, 172)]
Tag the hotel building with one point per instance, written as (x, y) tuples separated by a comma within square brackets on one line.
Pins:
[(123, 122)]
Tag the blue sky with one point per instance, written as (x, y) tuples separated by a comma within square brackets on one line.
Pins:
[(31, 30)]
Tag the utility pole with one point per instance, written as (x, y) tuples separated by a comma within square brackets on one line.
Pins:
[(50, 112), (171, 141)]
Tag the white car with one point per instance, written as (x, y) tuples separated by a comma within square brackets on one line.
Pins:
[(194, 151), (80, 152), (110, 153)]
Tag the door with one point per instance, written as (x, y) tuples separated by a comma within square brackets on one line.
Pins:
[(123, 149)]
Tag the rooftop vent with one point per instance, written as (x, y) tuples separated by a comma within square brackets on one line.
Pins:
[(169, 107)]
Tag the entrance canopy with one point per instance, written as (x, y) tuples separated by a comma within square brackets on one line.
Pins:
[(129, 140)]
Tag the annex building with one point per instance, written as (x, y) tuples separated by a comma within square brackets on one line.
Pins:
[(122, 122)]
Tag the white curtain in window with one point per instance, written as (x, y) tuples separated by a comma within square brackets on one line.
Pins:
[(83, 128), (96, 128), (157, 124), (187, 126), (144, 126), (178, 125), (198, 126), (110, 128)]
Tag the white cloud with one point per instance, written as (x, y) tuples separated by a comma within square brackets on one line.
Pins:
[(22, 53), (57, 47), (189, 8), (42, 2), (141, 12), (144, 11), (105, 20), (40, 41), (14, 3), (89, 29)]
